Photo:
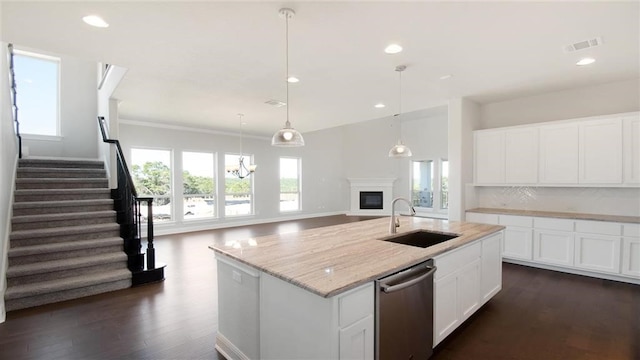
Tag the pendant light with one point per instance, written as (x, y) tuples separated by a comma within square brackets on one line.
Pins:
[(400, 149), (241, 170), (287, 136)]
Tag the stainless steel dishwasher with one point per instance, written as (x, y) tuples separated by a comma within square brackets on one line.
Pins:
[(404, 314)]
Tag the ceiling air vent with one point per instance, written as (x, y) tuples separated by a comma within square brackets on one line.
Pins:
[(585, 44), (275, 103)]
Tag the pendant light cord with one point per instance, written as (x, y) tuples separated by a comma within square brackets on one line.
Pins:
[(286, 17), (240, 116)]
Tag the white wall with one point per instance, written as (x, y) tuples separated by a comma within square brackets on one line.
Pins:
[(619, 97), (78, 112)]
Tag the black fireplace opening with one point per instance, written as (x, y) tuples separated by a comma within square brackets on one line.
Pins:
[(371, 200)]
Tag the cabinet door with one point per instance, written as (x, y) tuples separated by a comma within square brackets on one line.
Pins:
[(356, 340), (469, 289), (491, 269), (553, 247), (597, 252), (521, 156), (489, 157), (631, 149), (601, 151), (631, 256), (445, 307), (559, 149), (517, 243)]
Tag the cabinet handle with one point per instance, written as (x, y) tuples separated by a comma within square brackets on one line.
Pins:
[(391, 288)]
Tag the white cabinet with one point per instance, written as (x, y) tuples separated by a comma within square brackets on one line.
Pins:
[(631, 153), (598, 252), (601, 151), (559, 153), (356, 342), (631, 250), (553, 241), (456, 288), (491, 267), (517, 243), (489, 157), (521, 155)]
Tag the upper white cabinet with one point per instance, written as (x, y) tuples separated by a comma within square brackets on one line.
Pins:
[(598, 151), (489, 157), (559, 153), (631, 143), (601, 151), (521, 155)]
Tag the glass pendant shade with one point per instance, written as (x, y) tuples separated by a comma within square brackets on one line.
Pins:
[(400, 150), (287, 136)]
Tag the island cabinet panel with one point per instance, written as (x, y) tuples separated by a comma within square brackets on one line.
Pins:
[(240, 285), (491, 267), (297, 324)]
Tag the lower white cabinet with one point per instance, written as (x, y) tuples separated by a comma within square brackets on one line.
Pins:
[(597, 252), (466, 278), (553, 247), (631, 256), (356, 341), (518, 243)]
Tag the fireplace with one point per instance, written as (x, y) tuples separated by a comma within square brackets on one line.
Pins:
[(371, 196), (371, 200)]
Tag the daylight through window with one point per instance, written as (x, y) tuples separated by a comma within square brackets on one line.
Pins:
[(238, 193), (199, 185), (151, 172), (289, 184)]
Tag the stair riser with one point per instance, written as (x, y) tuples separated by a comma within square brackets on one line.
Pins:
[(61, 173), (61, 274), (64, 238), (47, 224), (23, 303), (33, 163), (61, 197), (70, 254), (62, 209), (21, 184)]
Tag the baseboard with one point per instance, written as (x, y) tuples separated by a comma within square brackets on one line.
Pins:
[(613, 277), (228, 350)]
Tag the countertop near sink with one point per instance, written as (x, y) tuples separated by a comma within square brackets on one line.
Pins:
[(560, 215), (330, 260)]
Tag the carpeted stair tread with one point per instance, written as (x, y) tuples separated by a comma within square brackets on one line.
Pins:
[(42, 172), (60, 203), (75, 282), (64, 183), (62, 216), (64, 246), (67, 230), (64, 264), (73, 163)]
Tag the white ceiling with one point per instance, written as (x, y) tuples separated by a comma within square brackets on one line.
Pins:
[(200, 63)]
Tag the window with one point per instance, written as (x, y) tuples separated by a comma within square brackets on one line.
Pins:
[(289, 184), (430, 184), (199, 185), (151, 172), (238, 193), (37, 78)]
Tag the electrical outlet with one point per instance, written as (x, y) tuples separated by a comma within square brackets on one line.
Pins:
[(236, 276)]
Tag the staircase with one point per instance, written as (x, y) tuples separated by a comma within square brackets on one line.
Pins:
[(65, 242)]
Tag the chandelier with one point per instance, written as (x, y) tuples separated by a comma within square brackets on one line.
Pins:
[(241, 170)]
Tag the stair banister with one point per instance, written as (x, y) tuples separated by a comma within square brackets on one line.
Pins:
[(14, 113)]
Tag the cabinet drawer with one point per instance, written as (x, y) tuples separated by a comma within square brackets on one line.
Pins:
[(512, 220), (553, 224), (631, 230), (356, 305), (452, 261), (598, 227)]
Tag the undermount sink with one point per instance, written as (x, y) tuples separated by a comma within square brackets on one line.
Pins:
[(420, 238)]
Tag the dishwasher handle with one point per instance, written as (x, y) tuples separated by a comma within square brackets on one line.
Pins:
[(391, 288)]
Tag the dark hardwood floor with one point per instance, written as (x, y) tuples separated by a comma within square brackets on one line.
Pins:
[(539, 314)]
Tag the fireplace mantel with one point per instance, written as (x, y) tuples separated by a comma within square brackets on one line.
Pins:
[(385, 185)]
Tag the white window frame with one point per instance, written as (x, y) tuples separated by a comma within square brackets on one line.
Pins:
[(32, 136), (299, 180)]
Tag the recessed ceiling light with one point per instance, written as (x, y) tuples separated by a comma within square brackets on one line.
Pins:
[(293, 79), (445, 77), (393, 49), (585, 61), (379, 106), (95, 20)]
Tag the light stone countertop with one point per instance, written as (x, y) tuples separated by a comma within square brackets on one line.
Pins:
[(559, 215), (330, 260)]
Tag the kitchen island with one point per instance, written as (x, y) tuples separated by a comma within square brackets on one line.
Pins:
[(310, 294)]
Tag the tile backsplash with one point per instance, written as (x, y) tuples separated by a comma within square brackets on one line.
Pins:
[(606, 201)]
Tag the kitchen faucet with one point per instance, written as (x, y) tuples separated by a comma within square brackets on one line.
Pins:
[(394, 221)]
